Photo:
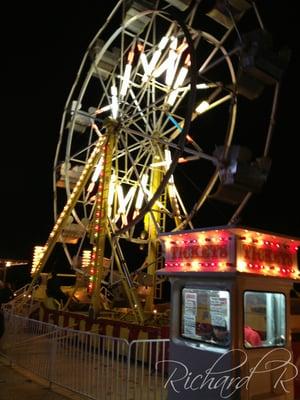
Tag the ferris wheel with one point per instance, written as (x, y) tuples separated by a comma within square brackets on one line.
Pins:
[(155, 134)]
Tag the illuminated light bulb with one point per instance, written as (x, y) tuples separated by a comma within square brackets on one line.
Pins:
[(124, 201), (162, 44), (90, 187), (125, 83), (140, 47), (179, 81), (222, 266), (121, 199), (195, 265), (114, 102), (124, 219), (168, 162), (169, 65), (203, 86), (149, 68), (100, 111), (98, 170), (171, 62), (111, 189), (182, 160), (38, 253), (142, 192), (202, 107), (168, 244), (145, 64), (86, 258)]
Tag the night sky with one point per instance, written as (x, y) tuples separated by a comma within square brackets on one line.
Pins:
[(41, 50)]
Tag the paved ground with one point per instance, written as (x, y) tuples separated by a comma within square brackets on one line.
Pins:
[(17, 384)]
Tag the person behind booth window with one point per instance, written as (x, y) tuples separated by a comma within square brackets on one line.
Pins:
[(251, 337), (54, 290), (220, 334)]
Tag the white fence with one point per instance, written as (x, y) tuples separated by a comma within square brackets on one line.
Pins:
[(97, 366)]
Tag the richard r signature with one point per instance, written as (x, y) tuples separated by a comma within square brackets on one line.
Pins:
[(226, 381)]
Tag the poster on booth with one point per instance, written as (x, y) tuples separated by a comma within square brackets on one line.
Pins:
[(203, 312), (218, 311), (189, 313)]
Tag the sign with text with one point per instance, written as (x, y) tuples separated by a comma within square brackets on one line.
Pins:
[(223, 250)]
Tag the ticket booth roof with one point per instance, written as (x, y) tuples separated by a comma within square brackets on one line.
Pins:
[(238, 231), (231, 249)]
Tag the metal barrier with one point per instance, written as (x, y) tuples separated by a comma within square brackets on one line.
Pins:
[(97, 366), (30, 304), (147, 369)]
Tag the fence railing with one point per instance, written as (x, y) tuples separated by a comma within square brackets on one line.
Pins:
[(22, 296), (97, 366)]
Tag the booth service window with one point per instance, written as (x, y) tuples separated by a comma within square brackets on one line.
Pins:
[(205, 316), (264, 319)]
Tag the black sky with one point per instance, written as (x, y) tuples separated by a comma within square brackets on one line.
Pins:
[(42, 46)]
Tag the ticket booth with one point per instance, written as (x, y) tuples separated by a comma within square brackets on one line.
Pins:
[(230, 304)]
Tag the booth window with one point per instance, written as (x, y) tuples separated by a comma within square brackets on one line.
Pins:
[(205, 316), (264, 319)]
